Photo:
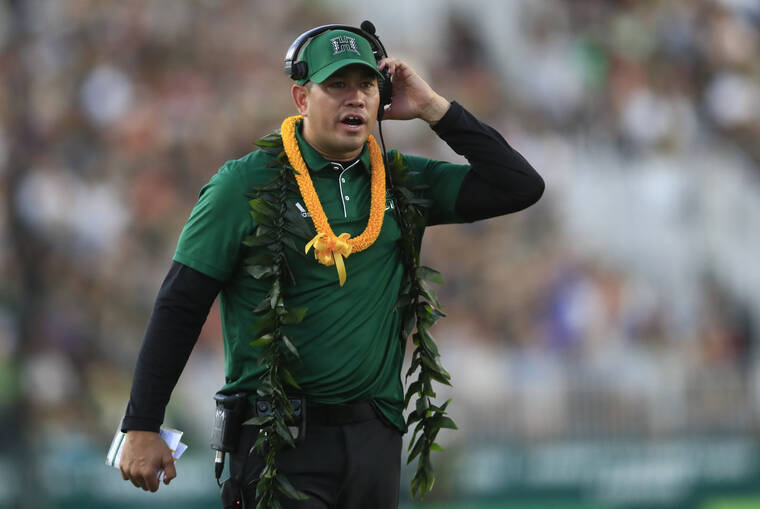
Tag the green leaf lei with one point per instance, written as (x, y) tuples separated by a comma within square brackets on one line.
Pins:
[(417, 303), (420, 309)]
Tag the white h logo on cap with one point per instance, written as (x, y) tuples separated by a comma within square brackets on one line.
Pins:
[(344, 43)]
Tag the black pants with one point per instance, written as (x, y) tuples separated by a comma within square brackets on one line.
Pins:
[(349, 466)]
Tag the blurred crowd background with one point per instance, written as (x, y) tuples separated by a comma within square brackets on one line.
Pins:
[(622, 307)]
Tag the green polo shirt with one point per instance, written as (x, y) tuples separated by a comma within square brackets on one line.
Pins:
[(348, 341)]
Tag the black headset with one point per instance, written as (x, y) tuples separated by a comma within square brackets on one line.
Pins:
[(300, 70)]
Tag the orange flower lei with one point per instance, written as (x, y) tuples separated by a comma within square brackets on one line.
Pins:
[(330, 249)]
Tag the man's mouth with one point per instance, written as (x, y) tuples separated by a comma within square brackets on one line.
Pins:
[(352, 120)]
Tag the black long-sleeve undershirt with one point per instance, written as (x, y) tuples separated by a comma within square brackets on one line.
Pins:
[(181, 308), (499, 182)]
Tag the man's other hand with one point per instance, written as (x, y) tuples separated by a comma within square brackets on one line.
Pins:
[(412, 96), (143, 455)]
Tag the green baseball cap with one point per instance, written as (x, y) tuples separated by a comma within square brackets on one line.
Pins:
[(334, 50)]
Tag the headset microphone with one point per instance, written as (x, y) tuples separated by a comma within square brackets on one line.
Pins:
[(368, 27)]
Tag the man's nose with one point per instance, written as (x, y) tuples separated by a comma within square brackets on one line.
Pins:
[(356, 97)]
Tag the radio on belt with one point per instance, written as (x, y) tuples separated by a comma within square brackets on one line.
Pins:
[(227, 423)]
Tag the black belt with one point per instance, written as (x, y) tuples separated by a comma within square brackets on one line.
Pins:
[(322, 415), (337, 415)]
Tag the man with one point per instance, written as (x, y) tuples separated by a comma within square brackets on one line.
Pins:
[(350, 356)]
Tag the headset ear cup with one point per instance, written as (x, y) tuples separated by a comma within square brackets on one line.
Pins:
[(300, 71), (386, 92)]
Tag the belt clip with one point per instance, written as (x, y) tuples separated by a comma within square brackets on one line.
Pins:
[(297, 424), (299, 415)]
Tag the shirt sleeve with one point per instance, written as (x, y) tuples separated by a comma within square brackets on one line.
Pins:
[(179, 313), (211, 240), (442, 181), (499, 180)]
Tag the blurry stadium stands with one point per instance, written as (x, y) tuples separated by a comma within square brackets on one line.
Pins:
[(603, 344)]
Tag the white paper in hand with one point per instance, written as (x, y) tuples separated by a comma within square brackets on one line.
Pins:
[(171, 437)]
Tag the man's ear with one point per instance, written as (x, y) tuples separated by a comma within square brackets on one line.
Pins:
[(300, 97)]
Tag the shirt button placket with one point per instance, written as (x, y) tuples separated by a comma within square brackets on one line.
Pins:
[(341, 181)]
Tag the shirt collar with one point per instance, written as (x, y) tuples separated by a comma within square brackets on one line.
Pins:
[(314, 160)]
